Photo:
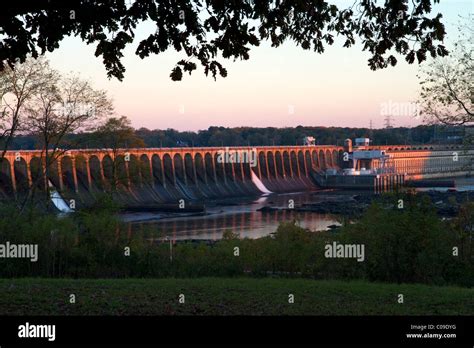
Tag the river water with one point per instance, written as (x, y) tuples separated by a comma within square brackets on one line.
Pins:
[(241, 216)]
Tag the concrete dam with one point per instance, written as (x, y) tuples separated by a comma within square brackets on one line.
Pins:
[(167, 175)]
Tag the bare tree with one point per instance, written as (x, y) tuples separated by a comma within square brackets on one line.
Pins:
[(65, 105), (17, 87), (447, 84)]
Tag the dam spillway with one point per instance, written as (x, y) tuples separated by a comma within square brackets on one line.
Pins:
[(167, 175)]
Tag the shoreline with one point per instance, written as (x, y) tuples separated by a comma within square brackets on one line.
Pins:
[(446, 202)]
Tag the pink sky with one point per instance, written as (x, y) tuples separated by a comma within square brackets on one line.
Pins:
[(280, 87)]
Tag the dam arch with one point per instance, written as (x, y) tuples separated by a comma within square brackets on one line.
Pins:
[(20, 168), (294, 164), (301, 163), (36, 169), (97, 173), (308, 164), (279, 164), (314, 157), (328, 156), (109, 171), (158, 169), (200, 168), (68, 173), (178, 163), (219, 167), (121, 169), (82, 173), (286, 164), (146, 169), (189, 168), (134, 172), (262, 162), (322, 160), (271, 165), (209, 166), (168, 170)]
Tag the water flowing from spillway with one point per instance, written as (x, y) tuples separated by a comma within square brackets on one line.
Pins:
[(257, 182), (58, 201)]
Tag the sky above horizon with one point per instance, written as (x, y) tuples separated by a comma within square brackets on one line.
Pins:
[(279, 87)]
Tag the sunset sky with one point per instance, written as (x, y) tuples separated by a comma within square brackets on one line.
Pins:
[(278, 87)]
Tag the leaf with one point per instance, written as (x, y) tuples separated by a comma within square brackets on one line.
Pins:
[(421, 55), (176, 74), (410, 57), (392, 60)]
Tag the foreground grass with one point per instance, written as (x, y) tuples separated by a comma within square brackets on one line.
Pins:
[(227, 296)]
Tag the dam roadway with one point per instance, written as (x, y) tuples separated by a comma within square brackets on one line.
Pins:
[(166, 175)]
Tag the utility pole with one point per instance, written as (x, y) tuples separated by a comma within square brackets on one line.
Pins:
[(371, 132), (388, 122)]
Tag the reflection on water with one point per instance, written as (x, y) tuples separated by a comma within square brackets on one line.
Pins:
[(241, 218)]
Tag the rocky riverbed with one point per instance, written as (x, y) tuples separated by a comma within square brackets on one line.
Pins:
[(447, 203)]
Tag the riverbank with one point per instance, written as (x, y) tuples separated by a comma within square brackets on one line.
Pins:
[(228, 296)]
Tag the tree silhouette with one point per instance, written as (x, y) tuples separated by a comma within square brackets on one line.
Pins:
[(447, 94), (205, 30)]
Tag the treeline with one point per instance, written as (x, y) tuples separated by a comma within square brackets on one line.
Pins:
[(222, 136), (410, 245)]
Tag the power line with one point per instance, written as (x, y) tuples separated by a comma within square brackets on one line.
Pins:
[(388, 121)]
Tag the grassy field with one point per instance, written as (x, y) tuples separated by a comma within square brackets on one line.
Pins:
[(228, 296)]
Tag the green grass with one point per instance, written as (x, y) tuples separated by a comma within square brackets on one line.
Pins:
[(227, 296)]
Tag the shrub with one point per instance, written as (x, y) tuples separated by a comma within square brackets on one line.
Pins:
[(401, 245)]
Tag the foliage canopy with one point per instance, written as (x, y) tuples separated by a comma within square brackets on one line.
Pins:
[(205, 30)]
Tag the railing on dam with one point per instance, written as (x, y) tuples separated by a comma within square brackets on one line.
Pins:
[(167, 174)]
